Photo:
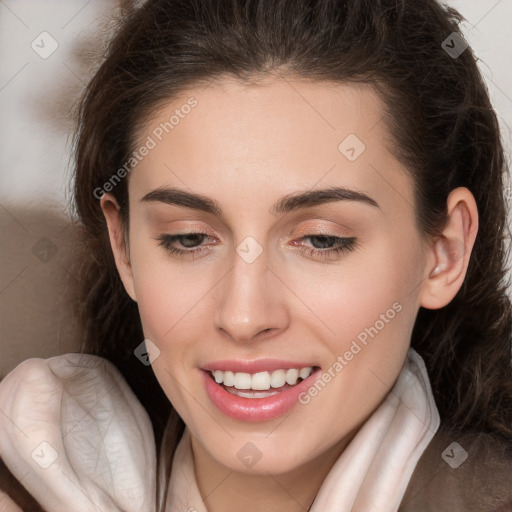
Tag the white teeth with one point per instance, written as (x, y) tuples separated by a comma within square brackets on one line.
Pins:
[(242, 381), (251, 394), (261, 381), (228, 379), (291, 376), (304, 373), (278, 378)]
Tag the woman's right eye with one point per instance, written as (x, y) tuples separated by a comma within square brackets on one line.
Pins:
[(190, 240)]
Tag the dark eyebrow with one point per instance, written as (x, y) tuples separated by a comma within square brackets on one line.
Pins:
[(288, 203)]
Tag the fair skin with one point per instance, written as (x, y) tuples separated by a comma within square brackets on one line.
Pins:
[(246, 147)]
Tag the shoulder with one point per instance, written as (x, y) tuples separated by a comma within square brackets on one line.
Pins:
[(461, 472)]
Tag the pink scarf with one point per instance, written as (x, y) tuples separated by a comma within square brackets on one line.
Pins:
[(372, 473), (76, 437)]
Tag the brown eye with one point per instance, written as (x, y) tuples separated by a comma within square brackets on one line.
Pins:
[(341, 245), (188, 242)]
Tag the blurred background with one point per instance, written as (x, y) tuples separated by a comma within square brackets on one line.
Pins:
[(48, 50)]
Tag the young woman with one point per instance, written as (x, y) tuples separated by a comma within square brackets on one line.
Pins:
[(294, 219)]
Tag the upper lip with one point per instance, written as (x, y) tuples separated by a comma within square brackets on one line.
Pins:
[(256, 366)]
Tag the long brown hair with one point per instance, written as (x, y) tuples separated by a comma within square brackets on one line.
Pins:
[(444, 130)]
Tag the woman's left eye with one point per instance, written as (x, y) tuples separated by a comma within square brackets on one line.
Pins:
[(341, 245), (192, 241)]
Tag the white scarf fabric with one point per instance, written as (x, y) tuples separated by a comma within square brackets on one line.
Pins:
[(372, 473), (77, 438)]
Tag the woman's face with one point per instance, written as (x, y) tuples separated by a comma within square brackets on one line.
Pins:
[(329, 281)]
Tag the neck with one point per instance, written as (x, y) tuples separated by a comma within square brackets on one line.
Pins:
[(224, 490)]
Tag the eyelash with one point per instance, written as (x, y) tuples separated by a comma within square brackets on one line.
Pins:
[(345, 245)]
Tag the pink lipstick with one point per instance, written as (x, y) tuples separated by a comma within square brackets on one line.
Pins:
[(257, 390)]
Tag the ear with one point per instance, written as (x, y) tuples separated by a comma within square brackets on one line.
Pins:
[(120, 249), (449, 253)]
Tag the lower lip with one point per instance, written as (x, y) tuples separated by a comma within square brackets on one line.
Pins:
[(255, 409)]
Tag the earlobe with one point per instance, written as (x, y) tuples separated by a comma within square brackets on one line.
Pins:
[(120, 249), (450, 251)]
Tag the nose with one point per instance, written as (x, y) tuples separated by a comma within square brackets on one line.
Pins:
[(250, 302)]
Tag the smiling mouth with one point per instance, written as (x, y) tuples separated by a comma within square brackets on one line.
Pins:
[(261, 384)]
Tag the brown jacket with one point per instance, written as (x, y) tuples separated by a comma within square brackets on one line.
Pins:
[(481, 483)]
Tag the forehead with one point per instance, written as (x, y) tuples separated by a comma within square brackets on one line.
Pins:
[(290, 107), (275, 136)]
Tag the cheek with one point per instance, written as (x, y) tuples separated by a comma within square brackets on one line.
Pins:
[(171, 308), (350, 297), (364, 311), (169, 293), (170, 303), (366, 316)]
